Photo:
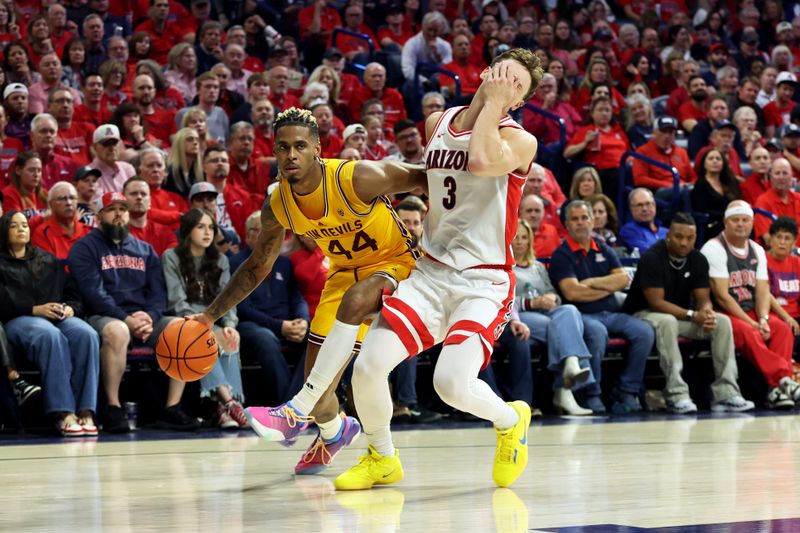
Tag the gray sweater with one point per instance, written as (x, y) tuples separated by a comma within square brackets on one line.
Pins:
[(532, 281), (176, 288)]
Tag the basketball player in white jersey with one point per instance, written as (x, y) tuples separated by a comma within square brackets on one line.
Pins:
[(461, 293)]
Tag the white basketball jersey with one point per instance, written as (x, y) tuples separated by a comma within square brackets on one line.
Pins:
[(472, 219)]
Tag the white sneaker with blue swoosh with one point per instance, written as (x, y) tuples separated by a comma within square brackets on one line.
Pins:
[(511, 456)]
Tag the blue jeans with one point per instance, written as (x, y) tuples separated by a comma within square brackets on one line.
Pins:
[(637, 332), (519, 382), (68, 356), (279, 381), (561, 329), (226, 371)]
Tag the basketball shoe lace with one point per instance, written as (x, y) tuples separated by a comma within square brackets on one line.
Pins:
[(506, 451), (325, 455), (291, 416)]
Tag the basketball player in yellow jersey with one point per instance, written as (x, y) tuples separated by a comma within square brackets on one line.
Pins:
[(341, 205)]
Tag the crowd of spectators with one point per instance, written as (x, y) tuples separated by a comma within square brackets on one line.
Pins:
[(136, 151)]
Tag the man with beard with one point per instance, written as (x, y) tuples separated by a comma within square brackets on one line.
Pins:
[(717, 58), (671, 292), (15, 100), (696, 108), (718, 111), (160, 123), (409, 143), (123, 287), (55, 167), (160, 237), (662, 147), (262, 116), (61, 229)]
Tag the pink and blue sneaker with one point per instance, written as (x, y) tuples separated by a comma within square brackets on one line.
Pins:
[(320, 454), (281, 424)]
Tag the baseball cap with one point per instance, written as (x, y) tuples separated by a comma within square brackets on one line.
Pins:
[(397, 8), (351, 129), (774, 142), (109, 199), (14, 88), (602, 34), (278, 50), (202, 187), (718, 47), (783, 26), (84, 171), (786, 77), (330, 53), (666, 122), (105, 132), (724, 123), (749, 37), (790, 129)]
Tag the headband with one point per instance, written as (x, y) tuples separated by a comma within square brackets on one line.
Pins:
[(744, 209)]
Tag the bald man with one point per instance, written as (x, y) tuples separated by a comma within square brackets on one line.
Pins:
[(779, 200), (375, 87)]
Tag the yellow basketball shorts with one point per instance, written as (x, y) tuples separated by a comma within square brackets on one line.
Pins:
[(339, 281)]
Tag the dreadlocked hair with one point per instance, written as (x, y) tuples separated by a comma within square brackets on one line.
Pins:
[(296, 117)]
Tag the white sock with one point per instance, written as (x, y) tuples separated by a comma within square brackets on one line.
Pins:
[(333, 354), (381, 440), (330, 431)]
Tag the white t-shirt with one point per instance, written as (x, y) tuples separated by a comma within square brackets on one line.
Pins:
[(718, 259)]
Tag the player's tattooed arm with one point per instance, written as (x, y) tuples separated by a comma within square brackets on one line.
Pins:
[(376, 178), (254, 269)]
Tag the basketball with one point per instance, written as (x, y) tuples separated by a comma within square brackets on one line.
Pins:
[(186, 350)]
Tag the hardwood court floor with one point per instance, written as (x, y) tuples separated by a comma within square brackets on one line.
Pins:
[(650, 474)]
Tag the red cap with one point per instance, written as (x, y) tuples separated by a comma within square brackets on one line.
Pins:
[(716, 47), (111, 198)]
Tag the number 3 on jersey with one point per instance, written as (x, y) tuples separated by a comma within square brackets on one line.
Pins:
[(449, 201), (361, 241)]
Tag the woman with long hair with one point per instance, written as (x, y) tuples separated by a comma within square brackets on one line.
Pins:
[(25, 192), (114, 75), (182, 70), (600, 144), (73, 60), (10, 147), (637, 70), (606, 222), (132, 130), (715, 188), (9, 29), (40, 304), (196, 119), (195, 272), (38, 39), (139, 47), (18, 65), (184, 165), (563, 87), (585, 183), (598, 71), (671, 73), (558, 326)]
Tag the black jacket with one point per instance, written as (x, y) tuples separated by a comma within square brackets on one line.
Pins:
[(34, 280)]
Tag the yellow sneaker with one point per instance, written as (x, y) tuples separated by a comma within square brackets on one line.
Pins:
[(511, 456), (372, 469), (376, 510)]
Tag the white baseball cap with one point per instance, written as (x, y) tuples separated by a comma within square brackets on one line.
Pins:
[(353, 128), (14, 88), (786, 77), (105, 132)]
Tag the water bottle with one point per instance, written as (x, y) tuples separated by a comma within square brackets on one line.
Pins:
[(635, 253), (131, 413), (118, 30), (530, 294)]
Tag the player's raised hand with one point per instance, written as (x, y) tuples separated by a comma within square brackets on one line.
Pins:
[(500, 84)]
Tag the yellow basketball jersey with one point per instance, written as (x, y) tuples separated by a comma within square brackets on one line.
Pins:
[(350, 232)]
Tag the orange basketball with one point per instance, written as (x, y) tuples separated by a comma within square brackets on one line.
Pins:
[(186, 350)]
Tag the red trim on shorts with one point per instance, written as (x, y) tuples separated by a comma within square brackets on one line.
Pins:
[(513, 199), (392, 307), (472, 327), (506, 268)]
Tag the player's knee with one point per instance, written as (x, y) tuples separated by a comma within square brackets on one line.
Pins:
[(356, 306), (447, 387)]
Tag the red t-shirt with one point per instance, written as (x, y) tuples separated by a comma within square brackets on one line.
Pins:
[(613, 143), (310, 272), (329, 19), (74, 142), (733, 160), (545, 240), (170, 99), (51, 238), (784, 282), (393, 104), (59, 168), (386, 33), (161, 124), (677, 97), (162, 42), (770, 201), (652, 177), (263, 145), (346, 43), (240, 204), (754, 187), (282, 103), (166, 207), (32, 206), (11, 147), (375, 152), (95, 118), (331, 146), (348, 87), (470, 76), (777, 116), (689, 111), (255, 179), (160, 237)]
